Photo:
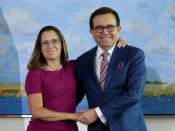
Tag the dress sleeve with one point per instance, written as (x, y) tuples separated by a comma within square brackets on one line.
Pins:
[(33, 82)]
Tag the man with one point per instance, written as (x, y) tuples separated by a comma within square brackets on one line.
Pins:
[(113, 78)]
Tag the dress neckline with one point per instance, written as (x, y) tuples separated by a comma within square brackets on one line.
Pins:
[(61, 67)]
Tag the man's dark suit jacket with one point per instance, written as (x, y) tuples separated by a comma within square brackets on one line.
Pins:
[(124, 85)]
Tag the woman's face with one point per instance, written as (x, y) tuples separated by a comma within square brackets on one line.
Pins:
[(50, 45)]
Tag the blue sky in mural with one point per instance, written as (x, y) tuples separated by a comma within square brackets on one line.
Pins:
[(147, 24), (9, 62)]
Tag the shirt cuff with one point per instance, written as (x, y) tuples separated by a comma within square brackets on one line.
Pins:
[(100, 115)]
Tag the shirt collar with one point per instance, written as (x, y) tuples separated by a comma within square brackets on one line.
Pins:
[(100, 51)]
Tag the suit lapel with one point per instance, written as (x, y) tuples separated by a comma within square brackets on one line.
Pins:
[(111, 67), (92, 68)]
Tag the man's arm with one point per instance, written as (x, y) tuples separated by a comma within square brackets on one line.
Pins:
[(80, 93)]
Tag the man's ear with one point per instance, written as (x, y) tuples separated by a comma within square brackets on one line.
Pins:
[(91, 31), (119, 28)]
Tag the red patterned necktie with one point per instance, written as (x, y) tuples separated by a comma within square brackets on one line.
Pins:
[(103, 70)]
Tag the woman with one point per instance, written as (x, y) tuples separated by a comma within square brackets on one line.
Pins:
[(51, 84)]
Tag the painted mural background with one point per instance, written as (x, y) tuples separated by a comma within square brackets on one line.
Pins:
[(147, 24)]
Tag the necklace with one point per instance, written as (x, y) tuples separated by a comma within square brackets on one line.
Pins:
[(52, 69)]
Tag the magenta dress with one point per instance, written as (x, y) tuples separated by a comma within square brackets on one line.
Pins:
[(59, 94)]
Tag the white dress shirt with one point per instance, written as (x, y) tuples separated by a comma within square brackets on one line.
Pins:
[(98, 60)]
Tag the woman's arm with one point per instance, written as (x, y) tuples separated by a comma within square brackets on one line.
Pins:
[(37, 110)]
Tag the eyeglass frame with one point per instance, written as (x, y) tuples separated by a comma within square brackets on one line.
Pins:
[(107, 28), (50, 41)]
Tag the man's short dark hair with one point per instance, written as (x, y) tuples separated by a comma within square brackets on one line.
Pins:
[(102, 11)]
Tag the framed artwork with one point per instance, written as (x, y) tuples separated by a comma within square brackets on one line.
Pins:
[(146, 24)]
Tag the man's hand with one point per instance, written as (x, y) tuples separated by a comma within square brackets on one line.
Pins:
[(88, 116)]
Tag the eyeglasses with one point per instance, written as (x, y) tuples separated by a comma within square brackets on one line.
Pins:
[(109, 28), (52, 41)]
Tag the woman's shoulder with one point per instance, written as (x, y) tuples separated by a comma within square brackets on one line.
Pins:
[(36, 72), (71, 63)]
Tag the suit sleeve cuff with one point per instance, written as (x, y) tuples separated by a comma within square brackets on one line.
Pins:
[(100, 115)]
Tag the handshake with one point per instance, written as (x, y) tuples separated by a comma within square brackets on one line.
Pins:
[(85, 116)]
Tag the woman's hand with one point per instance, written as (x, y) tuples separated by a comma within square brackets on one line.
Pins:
[(75, 116), (121, 43)]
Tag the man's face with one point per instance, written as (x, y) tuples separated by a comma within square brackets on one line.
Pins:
[(105, 39)]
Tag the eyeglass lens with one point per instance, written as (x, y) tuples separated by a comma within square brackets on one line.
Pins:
[(52, 41), (109, 28)]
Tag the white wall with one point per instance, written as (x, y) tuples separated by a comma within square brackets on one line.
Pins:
[(153, 124), (12, 124)]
